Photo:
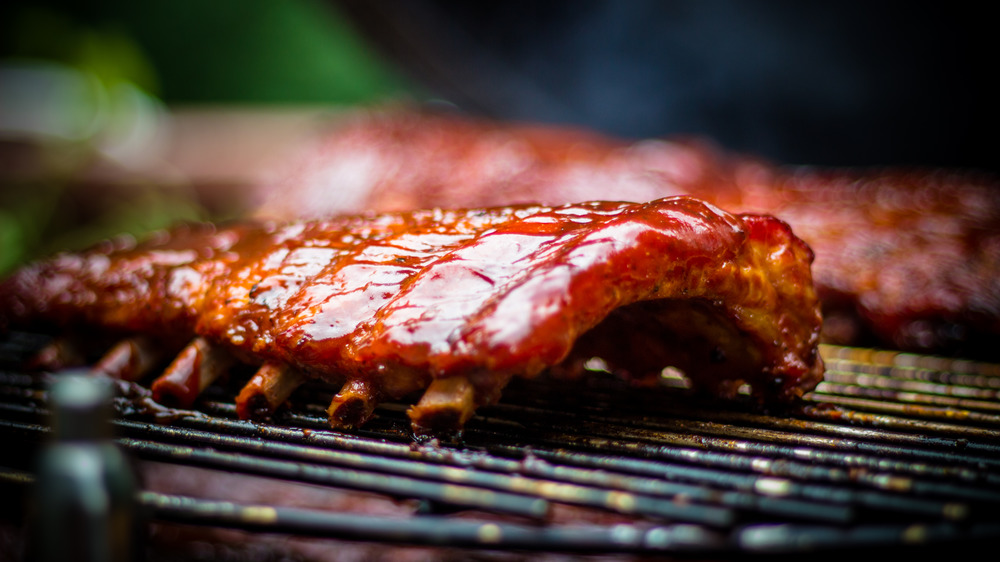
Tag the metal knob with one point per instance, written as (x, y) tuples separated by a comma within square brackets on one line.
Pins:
[(84, 496)]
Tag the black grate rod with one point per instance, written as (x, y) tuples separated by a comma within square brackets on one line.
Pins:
[(434, 530), (396, 486), (888, 361), (715, 436), (780, 468), (936, 413), (517, 484), (423, 530), (531, 466), (767, 486), (862, 426), (778, 539), (978, 397), (978, 409)]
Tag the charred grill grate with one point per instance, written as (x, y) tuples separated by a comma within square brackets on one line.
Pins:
[(893, 450)]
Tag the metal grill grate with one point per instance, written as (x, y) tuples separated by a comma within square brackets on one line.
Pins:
[(893, 450)]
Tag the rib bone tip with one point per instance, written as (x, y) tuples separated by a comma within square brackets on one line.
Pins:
[(445, 407), (195, 368), (130, 359), (353, 405), (267, 390)]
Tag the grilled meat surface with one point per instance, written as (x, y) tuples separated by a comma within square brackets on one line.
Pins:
[(908, 259), (450, 302)]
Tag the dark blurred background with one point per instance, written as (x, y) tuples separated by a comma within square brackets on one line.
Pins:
[(823, 82), (820, 82)]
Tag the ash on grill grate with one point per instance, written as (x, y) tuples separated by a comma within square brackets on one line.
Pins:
[(892, 450)]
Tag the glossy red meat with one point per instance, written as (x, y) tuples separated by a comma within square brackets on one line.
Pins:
[(904, 258), (456, 301)]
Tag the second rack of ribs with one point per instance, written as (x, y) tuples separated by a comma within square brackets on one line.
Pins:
[(450, 302)]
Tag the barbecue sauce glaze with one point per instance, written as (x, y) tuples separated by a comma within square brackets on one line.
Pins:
[(458, 301)]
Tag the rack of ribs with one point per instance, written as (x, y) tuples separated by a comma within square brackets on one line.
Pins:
[(452, 303), (905, 258)]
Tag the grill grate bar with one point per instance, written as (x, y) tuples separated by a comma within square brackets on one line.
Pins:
[(774, 539), (771, 468), (710, 437), (892, 449), (906, 396), (958, 371), (871, 428), (464, 478), (395, 485), (885, 499), (841, 421), (955, 455), (649, 408), (645, 497), (818, 507), (462, 487), (977, 397), (529, 466), (811, 492), (433, 531), (770, 479), (904, 409), (946, 383), (427, 530)]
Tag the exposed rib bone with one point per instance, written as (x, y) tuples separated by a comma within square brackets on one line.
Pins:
[(356, 401), (447, 405), (196, 367), (57, 355), (354, 404), (130, 359), (268, 389)]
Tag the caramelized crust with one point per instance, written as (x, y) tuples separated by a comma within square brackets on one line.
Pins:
[(908, 259), (457, 301)]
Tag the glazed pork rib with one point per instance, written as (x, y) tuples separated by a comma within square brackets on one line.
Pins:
[(451, 302)]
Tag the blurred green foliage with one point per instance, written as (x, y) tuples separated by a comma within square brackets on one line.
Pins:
[(181, 52), (218, 51), (40, 32), (38, 218)]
